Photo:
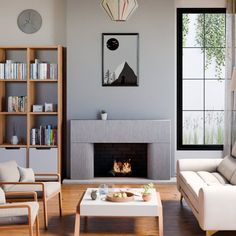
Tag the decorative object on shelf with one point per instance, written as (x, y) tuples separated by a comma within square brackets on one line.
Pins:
[(103, 115), (37, 108), (29, 21), (120, 59), (103, 189), (147, 195), (94, 194), (48, 107), (119, 10), (14, 138)]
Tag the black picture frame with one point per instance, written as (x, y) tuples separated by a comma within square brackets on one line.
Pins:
[(120, 59)]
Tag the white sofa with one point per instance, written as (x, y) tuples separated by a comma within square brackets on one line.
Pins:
[(209, 188)]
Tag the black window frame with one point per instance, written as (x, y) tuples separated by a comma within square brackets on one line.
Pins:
[(180, 145)]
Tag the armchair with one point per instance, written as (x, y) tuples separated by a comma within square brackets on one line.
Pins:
[(19, 215), (45, 190)]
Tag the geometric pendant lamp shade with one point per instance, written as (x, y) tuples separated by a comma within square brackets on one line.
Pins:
[(119, 10)]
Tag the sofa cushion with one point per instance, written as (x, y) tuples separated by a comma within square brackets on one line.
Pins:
[(233, 179), (212, 178), (26, 174), (227, 167), (2, 197), (50, 188), (18, 215), (9, 173), (233, 153)]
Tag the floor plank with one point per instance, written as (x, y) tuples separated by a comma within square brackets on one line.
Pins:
[(178, 219)]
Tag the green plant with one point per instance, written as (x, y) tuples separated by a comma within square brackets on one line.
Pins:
[(103, 112), (147, 188)]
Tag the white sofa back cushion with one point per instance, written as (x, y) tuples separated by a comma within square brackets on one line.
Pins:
[(26, 174), (2, 197), (227, 167), (9, 172)]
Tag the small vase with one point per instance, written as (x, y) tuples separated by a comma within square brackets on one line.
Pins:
[(147, 197), (104, 116), (94, 194), (14, 140)]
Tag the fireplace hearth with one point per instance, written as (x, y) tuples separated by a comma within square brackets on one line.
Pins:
[(120, 160)]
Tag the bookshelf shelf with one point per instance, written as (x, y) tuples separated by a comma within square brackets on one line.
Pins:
[(7, 145), (43, 81), (13, 113), (43, 146), (19, 92), (44, 113), (13, 81)]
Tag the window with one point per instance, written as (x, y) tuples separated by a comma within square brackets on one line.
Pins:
[(200, 78)]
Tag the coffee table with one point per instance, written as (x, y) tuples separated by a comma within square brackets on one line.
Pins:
[(101, 207)]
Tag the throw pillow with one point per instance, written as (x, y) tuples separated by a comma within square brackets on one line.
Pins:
[(26, 174), (233, 179), (2, 197), (227, 167), (233, 153), (9, 173)]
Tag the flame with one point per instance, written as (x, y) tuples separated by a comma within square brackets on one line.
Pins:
[(120, 167)]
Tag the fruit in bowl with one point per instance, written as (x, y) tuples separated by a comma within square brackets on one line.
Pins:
[(120, 197)]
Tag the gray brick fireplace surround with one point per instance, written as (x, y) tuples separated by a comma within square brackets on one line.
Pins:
[(155, 133)]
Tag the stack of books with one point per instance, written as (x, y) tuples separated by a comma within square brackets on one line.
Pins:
[(13, 70), (44, 135), (43, 71), (17, 104)]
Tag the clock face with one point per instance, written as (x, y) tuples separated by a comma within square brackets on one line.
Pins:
[(29, 21), (112, 44)]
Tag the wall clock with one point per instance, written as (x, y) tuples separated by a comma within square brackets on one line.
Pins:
[(29, 21)]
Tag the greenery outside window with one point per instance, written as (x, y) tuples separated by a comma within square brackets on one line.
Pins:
[(200, 78)]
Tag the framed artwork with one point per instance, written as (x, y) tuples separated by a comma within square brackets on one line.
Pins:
[(120, 59)]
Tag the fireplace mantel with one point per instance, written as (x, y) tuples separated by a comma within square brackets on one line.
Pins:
[(84, 133)]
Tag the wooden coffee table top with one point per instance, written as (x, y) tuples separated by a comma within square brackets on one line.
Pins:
[(102, 207)]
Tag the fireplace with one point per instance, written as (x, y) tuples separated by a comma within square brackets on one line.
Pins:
[(120, 160), (153, 134)]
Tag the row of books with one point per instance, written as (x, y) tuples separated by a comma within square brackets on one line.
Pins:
[(44, 135), (42, 70), (13, 70), (17, 104)]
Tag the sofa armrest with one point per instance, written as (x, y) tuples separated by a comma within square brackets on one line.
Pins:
[(217, 207), (197, 164)]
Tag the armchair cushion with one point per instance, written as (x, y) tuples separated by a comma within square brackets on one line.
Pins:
[(18, 215), (50, 188), (26, 174), (227, 167), (9, 173), (2, 197)]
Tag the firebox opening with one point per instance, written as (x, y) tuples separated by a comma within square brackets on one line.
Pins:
[(120, 160)]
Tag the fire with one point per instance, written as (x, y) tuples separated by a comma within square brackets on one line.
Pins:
[(122, 167)]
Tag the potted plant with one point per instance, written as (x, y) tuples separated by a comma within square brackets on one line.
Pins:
[(147, 195), (103, 115)]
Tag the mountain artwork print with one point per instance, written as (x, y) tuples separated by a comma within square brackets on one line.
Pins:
[(120, 60)]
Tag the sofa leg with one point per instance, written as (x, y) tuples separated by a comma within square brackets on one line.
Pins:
[(210, 232)]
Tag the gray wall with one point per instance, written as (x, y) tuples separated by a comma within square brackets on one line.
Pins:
[(53, 28), (154, 98)]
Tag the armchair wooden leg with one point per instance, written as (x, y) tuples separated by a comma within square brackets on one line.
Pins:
[(60, 203), (31, 230), (45, 212), (181, 198), (210, 232), (37, 225)]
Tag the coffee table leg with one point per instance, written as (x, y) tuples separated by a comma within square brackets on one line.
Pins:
[(160, 221), (77, 224)]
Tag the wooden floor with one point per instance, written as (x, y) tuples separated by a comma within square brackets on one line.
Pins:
[(178, 220)]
